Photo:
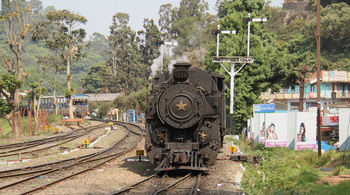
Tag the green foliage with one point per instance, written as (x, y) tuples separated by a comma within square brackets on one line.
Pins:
[(5, 108), (129, 73), (103, 109), (68, 93), (99, 79), (190, 25), (54, 119), (271, 67), (148, 49), (342, 188), (9, 83), (135, 100), (286, 171), (92, 106)]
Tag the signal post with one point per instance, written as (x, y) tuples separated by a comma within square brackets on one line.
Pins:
[(233, 60)]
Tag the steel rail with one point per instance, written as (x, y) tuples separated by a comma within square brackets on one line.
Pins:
[(195, 190), (83, 160), (56, 162), (16, 145), (173, 184), (114, 156), (133, 185), (158, 184), (46, 142)]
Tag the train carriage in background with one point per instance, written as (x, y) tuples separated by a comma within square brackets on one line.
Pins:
[(80, 105)]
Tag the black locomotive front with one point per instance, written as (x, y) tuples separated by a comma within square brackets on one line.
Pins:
[(185, 118)]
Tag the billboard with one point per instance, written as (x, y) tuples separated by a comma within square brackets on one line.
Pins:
[(305, 129), (264, 108), (344, 129), (276, 129)]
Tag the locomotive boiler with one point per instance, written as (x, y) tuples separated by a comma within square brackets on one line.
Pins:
[(185, 122)]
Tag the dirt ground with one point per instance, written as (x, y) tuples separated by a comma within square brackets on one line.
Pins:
[(333, 180), (222, 178)]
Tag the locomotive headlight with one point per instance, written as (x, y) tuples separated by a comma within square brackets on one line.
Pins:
[(181, 74)]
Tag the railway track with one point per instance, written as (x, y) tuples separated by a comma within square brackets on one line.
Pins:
[(33, 149), (165, 183), (30, 179)]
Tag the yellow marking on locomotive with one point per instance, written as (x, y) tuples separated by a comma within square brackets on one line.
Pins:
[(181, 106)]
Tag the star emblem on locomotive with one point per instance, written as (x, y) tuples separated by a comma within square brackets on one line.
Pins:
[(202, 135), (181, 106)]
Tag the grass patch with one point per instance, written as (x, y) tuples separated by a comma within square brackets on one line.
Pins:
[(286, 171), (7, 129), (343, 188)]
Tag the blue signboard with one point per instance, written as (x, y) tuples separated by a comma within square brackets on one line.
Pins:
[(264, 108)]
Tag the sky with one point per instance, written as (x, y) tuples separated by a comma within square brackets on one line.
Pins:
[(99, 13)]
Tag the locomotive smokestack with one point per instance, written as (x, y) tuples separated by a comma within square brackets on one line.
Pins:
[(192, 73)]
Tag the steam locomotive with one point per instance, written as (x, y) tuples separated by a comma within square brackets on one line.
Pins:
[(185, 122)]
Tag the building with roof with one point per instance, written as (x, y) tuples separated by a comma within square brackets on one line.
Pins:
[(102, 97), (335, 93)]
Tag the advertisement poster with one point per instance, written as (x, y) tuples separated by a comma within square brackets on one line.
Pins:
[(344, 129), (262, 128), (276, 130), (306, 130)]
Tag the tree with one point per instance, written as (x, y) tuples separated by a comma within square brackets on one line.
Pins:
[(62, 34), (17, 23), (271, 67), (52, 62), (36, 94), (128, 72), (190, 24), (103, 109), (148, 48), (98, 79), (165, 21)]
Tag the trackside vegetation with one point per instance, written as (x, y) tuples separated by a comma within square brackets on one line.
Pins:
[(286, 171)]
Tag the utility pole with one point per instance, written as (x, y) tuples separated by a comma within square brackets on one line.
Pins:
[(318, 55), (303, 72)]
